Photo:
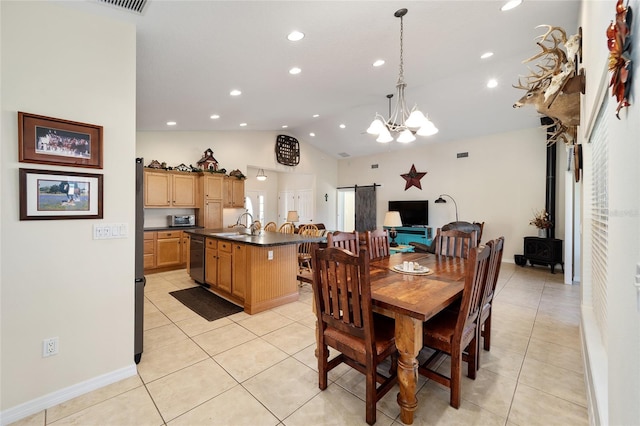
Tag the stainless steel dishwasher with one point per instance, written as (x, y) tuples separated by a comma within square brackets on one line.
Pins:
[(196, 260)]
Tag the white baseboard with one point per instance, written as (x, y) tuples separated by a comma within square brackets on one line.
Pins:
[(54, 398), (595, 369)]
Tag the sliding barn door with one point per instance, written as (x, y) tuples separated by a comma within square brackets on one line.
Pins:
[(365, 208)]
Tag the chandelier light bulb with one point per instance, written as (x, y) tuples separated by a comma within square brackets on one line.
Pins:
[(406, 136), (416, 119), (385, 136), (429, 129), (376, 127)]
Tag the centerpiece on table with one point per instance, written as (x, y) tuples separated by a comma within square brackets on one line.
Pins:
[(542, 222)]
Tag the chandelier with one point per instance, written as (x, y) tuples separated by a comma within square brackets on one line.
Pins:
[(402, 121)]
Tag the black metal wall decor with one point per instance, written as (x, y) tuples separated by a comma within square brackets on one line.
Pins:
[(287, 150)]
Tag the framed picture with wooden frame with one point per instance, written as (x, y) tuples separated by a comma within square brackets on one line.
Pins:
[(46, 140), (52, 194)]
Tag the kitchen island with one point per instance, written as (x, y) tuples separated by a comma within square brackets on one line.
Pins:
[(257, 272)]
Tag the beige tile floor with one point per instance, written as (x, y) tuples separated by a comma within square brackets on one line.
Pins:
[(261, 369)]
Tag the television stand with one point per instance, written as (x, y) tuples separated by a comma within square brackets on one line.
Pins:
[(418, 234)]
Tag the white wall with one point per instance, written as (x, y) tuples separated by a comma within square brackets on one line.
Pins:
[(501, 182), (241, 150), (612, 370), (56, 281)]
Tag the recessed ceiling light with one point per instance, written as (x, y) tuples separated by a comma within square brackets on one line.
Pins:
[(295, 70), (486, 55), (312, 134), (511, 4), (295, 36), (492, 83), (316, 115), (235, 92), (243, 124), (171, 123), (214, 117), (284, 126), (378, 63), (342, 126)]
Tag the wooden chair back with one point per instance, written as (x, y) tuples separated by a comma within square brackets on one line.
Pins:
[(270, 226), (480, 226), (452, 332), (455, 243), (310, 226), (304, 249), (342, 296), (377, 243), (346, 240), (287, 228), (495, 261)]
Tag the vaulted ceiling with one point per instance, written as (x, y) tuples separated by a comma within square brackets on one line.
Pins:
[(191, 54)]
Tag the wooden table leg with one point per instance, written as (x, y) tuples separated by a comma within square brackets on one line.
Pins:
[(409, 342)]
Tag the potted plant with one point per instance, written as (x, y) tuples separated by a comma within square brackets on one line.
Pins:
[(542, 222)]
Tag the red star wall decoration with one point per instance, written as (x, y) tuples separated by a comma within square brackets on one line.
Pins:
[(413, 178)]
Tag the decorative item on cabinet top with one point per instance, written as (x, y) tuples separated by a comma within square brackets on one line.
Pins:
[(237, 174)]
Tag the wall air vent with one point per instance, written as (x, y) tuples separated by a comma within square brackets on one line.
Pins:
[(343, 154), (131, 5)]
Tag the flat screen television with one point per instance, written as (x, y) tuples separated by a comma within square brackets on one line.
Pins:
[(412, 213)]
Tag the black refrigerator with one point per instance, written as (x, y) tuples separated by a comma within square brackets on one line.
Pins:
[(139, 279)]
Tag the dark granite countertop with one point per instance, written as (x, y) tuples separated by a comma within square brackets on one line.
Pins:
[(265, 239), (173, 228)]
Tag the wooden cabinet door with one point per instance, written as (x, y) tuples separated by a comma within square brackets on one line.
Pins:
[(239, 270), (213, 186), (168, 248), (185, 250), (184, 190), (149, 250), (211, 263), (225, 262), (157, 189), (237, 192), (212, 214)]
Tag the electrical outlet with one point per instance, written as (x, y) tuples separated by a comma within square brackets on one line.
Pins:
[(270, 255), (49, 347)]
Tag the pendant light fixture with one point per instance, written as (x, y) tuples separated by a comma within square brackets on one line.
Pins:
[(261, 176), (402, 122)]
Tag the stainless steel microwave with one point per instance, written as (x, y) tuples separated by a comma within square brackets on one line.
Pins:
[(182, 220)]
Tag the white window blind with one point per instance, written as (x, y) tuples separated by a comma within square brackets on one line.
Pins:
[(600, 217)]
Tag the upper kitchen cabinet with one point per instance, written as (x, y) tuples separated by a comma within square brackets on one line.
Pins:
[(170, 189), (210, 211), (233, 192)]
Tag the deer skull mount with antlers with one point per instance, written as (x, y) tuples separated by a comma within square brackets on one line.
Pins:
[(554, 89)]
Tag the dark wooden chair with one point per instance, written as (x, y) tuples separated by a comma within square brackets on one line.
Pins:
[(377, 243), (342, 297), (452, 332), (495, 260), (304, 250), (271, 227), (346, 240), (455, 243)]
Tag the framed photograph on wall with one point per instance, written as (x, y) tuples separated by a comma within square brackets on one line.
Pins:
[(46, 140), (49, 194)]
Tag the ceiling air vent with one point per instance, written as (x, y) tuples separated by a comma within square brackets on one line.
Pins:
[(343, 154), (131, 5)]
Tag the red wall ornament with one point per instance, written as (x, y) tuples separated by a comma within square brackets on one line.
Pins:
[(619, 44), (413, 178)]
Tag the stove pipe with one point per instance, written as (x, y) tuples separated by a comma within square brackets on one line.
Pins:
[(550, 184)]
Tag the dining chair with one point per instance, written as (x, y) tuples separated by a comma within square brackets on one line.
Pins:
[(455, 243), (377, 243), (452, 332), (495, 260), (304, 250), (270, 226), (287, 228), (311, 226), (346, 240), (480, 226), (344, 310)]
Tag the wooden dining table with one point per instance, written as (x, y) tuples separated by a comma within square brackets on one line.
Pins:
[(412, 299)]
